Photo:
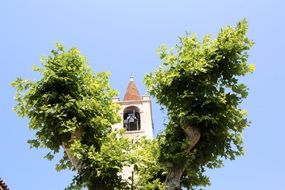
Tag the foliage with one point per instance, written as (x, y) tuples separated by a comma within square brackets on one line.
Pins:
[(103, 168), (198, 84), (150, 173), (71, 107)]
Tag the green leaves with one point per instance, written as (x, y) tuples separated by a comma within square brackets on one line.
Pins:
[(150, 173), (71, 107), (104, 167), (198, 84)]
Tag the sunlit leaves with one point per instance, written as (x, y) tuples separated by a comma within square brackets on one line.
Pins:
[(198, 84), (150, 173), (71, 107)]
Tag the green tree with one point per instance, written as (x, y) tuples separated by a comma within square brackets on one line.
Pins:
[(198, 84), (71, 108)]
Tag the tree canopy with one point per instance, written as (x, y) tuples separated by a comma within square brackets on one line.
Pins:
[(70, 107), (198, 84)]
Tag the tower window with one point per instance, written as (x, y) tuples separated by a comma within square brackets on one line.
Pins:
[(132, 121)]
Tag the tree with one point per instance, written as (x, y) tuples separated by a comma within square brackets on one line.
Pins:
[(198, 84), (71, 108)]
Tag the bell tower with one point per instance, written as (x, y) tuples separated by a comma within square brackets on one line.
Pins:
[(136, 113)]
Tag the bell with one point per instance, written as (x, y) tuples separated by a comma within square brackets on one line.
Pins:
[(131, 120)]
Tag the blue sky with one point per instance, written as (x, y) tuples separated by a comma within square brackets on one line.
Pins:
[(122, 37)]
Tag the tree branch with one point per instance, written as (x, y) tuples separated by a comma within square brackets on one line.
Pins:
[(66, 146), (175, 173)]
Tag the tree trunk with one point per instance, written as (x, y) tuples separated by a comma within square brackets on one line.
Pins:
[(175, 172), (173, 178), (66, 146), (74, 161)]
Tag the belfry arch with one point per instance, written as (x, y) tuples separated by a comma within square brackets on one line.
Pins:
[(132, 118)]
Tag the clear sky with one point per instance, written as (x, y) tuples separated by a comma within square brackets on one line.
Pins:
[(122, 37)]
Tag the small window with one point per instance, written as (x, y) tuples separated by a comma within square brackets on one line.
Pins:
[(132, 120)]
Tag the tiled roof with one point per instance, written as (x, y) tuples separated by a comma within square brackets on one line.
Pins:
[(3, 186), (132, 92)]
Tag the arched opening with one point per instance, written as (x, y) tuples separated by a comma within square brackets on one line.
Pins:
[(132, 120)]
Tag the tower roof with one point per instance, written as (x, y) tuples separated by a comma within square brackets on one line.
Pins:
[(132, 92)]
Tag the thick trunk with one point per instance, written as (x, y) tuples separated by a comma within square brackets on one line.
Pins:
[(74, 161), (66, 146), (173, 178), (176, 171)]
